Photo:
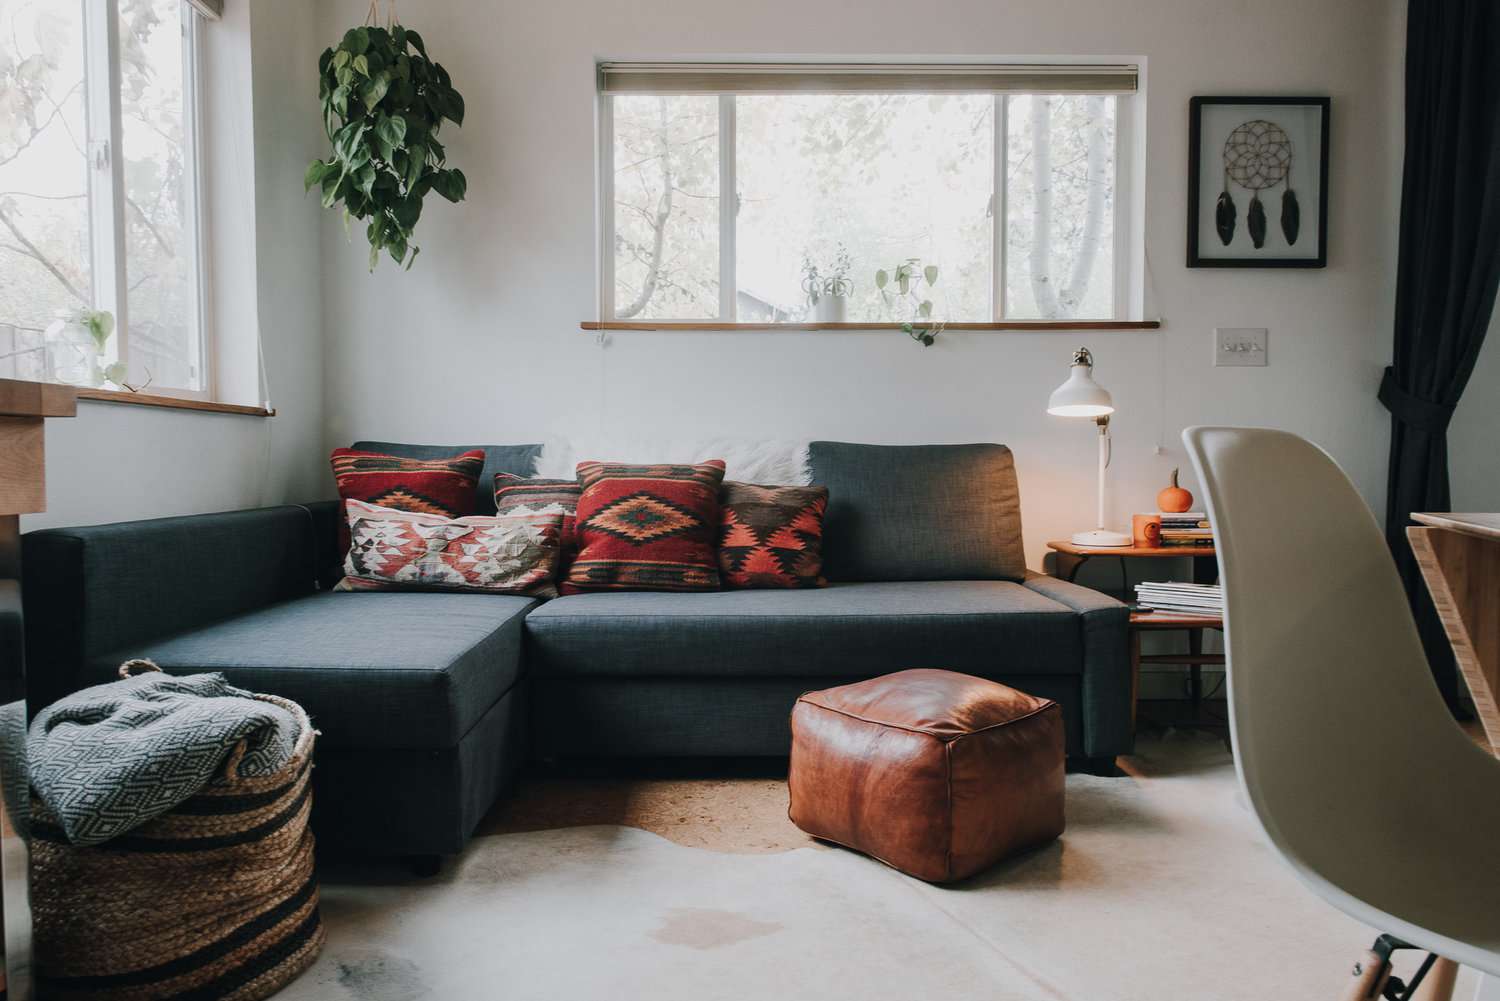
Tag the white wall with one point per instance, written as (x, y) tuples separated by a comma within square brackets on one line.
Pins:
[(1473, 453), (480, 340), (115, 462)]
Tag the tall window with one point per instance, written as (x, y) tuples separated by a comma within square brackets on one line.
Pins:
[(726, 187), (99, 188)]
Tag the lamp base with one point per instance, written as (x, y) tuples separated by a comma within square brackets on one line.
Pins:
[(1101, 538)]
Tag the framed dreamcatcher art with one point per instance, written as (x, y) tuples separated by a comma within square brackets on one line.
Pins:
[(1258, 182)]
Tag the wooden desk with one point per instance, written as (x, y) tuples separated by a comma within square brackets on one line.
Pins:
[(1459, 555)]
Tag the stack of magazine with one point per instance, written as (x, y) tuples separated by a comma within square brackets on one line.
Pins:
[(1171, 596)]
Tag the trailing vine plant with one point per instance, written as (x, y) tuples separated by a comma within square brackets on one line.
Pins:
[(383, 102), (902, 290)]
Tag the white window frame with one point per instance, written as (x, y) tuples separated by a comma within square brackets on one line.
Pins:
[(106, 185), (1127, 243)]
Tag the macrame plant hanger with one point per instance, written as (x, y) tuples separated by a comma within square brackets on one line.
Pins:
[(372, 17)]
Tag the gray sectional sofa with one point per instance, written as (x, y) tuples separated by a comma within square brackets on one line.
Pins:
[(428, 703)]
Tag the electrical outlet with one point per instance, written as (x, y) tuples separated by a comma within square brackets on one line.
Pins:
[(1239, 346)]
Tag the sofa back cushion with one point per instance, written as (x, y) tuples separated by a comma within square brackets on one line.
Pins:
[(919, 512), (518, 459)]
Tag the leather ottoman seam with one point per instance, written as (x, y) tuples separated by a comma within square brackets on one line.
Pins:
[(945, 738)]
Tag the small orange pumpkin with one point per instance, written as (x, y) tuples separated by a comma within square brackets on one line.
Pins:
[(1174, 499)]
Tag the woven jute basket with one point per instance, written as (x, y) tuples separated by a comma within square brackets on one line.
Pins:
[(216, 899)]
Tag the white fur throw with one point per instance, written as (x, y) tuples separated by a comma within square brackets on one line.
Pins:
[(772, 463)]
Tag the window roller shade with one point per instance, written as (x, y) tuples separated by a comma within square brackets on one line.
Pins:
[(856, 78)]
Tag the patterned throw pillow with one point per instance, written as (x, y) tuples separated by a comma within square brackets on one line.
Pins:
[(393, 550), (647, 528), (533, 495), (771, 537), (443, 487)]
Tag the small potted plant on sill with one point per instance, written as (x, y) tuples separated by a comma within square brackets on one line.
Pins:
[(75, 345), (828, 289)]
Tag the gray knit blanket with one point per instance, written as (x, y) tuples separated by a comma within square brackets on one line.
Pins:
[(109, 758)]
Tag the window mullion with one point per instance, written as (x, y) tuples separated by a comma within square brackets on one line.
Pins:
[(193, 230), (728, 210), (106, 166), (606, 208), (999, 207)]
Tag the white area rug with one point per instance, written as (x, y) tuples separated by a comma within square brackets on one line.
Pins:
[(1161, 890)]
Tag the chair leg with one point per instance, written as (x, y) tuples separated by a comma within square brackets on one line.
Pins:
[(1370, 975), (1439, 982)]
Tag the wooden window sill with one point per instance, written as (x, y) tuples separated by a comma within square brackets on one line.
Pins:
[(1017, 325), (171, 402)]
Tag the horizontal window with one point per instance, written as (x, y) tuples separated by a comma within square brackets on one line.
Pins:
[(775, 193), (99, 194)]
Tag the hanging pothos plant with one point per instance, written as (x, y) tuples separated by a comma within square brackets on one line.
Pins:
[(383, 102)]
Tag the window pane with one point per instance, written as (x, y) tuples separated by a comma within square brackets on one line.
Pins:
[(44, 227), (887, 177), (666, 190), (160, 251), (1060, 207)]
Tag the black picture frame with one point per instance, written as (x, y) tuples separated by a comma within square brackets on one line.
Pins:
[(1196, 259)]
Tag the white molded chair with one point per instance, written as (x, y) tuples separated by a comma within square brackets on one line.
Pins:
[(1358, 774)]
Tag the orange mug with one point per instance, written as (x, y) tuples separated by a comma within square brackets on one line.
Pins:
[(1145, 530)]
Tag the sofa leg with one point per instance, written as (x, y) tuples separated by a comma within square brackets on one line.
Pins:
[(1096, 766), (424, 866)]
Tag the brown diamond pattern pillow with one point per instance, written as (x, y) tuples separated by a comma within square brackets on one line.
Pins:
[(771, 537)]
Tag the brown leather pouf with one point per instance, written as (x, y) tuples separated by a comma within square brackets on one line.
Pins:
[(934, 773)]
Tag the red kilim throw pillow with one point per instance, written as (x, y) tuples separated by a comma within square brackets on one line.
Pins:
[(771, 537), (427, 486), (405, 551), (533, 495), (647, 528)]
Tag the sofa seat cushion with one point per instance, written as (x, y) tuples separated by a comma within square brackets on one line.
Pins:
[(988, 628), (390, 670)]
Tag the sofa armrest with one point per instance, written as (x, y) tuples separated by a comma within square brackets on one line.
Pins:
[(1108, 698), (94, 589)]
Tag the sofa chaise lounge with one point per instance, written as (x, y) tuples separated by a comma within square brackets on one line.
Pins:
[(429, 702)]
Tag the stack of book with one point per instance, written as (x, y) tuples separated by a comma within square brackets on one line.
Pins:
[(1189, 528), (1171, 596)]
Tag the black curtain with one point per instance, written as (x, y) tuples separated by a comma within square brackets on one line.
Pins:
[(1448, 268)]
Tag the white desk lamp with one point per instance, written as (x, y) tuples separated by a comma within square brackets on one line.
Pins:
[(1081, 396)]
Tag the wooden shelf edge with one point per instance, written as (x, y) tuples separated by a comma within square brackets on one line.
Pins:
[(1015, 325), (171, 403), (20, 398)]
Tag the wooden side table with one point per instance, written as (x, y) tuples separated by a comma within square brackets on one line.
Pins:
[(1195, 658), (1071, 558)]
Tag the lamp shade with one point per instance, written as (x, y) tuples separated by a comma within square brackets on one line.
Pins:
[(1080, 396)]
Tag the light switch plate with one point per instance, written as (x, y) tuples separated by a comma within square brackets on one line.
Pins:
[(1239, 346)]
